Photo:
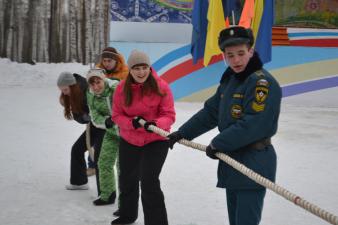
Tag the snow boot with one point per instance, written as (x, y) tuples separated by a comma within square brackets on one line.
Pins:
[(111, 200), (77, 187), (122, 221), (116, 213), (90, 172)]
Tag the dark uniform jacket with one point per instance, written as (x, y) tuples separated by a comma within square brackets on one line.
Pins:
[(245, 109)]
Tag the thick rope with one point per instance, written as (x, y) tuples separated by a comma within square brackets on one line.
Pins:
[(88, 144), (329, 217)]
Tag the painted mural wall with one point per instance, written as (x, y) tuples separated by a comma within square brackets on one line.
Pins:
[(307, 13), (299, 68), (151, 21), (152, 11)]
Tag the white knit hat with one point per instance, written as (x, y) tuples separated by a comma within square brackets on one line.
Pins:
[(95, 73), (66, 79), (137, 57)]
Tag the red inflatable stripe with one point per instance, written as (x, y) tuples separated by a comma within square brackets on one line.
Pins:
[(186, 68), (315, 42)]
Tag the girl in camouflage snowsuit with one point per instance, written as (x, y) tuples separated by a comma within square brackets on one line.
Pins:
[(99, 98)]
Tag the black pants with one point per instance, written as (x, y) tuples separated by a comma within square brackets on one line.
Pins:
[(142, 164), (78, 167)]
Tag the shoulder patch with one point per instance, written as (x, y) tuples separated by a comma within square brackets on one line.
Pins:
[(260, 94), (262, 82)]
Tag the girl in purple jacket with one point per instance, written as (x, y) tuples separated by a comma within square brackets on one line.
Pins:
[(143, 95)]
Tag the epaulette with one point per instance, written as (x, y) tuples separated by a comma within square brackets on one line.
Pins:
[(260, 73)]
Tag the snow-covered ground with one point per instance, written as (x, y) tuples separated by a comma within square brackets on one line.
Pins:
[(35, 153)]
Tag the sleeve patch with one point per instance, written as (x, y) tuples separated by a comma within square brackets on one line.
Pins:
[(262, 83), (258, 107), (236, 111), (260, 94)]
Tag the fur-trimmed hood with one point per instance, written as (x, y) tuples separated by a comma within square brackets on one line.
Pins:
[(120, 70)]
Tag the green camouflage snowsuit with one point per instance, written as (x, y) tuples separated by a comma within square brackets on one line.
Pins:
[(100, 110)]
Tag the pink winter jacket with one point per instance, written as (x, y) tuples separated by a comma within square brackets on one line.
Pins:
[(151, 107)]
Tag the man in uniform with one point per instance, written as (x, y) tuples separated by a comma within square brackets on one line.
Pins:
[(245, 108)]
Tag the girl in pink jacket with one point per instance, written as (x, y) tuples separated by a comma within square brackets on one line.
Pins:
[(143, 95)]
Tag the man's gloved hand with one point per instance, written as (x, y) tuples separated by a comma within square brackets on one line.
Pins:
[(136, 123), (211, 151), (173, 138), (109, 123), (147, 124)]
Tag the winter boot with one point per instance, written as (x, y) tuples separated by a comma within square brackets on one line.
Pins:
[(116, 213), (111, 200), (122, 221), (77, 187), (90, 172)]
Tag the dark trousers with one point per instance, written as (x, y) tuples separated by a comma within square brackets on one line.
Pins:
[(245, 206), (78, 167), (142, 164)]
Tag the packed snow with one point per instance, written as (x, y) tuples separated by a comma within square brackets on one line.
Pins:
[(35, 159)]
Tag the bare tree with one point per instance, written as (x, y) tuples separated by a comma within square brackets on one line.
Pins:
[(9, 29), (53, 30), (79, 30), (2, 29), (88, 32)]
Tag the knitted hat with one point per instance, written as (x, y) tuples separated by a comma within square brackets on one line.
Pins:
[(95, 73), (137, 57), (66, 79), (235, 35), (110, 53)]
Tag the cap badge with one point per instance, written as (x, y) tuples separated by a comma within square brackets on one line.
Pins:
[(231, 32)]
